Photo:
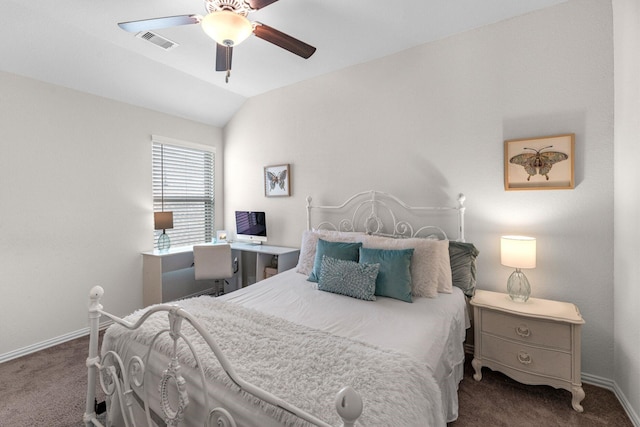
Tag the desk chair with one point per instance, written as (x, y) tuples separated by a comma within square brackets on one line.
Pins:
[(213, 262)]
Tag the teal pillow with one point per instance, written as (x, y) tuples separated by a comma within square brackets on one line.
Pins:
[(348, 278), (463, 266), (340, 250), (394, 275)]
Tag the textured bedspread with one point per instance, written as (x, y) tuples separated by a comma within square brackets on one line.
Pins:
[(301, 365)]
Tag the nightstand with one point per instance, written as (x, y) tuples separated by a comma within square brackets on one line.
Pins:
[(536, 342)]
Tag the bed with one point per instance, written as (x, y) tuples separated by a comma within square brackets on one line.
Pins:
[(376, 340)]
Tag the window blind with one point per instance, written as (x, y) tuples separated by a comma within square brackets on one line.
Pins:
[(183, 182)]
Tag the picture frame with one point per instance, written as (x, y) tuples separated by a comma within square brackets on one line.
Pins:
[(277, 181), (541, 163), (221, 236)]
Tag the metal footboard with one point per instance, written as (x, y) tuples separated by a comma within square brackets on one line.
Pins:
[(118, 379)]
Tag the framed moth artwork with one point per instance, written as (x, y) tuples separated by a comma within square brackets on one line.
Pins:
[(277, 180), (545, 163)]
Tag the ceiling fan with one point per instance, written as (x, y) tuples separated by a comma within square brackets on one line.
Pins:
[(226, 22)]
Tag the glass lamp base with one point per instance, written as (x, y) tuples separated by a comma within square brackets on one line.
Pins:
[(164, 243), (518, 286)]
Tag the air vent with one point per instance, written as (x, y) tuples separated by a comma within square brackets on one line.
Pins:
[(157, 40)]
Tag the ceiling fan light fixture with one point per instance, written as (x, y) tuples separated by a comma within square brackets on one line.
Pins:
[(226, 27)]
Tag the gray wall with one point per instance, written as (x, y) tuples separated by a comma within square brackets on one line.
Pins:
[(627, 199), (75, 205), (430, 122)]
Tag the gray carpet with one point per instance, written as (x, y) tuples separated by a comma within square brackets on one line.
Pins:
[(48, 388), (498, 401)]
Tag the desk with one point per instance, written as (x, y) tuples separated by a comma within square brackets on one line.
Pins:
[(168, 275)]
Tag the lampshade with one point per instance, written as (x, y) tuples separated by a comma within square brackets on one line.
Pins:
[(518, 251), (227, 28), (162, 220)]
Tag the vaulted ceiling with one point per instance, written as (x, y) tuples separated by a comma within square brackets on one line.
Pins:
[(78, 44)]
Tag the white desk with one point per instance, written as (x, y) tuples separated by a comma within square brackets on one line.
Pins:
[(168, 275)]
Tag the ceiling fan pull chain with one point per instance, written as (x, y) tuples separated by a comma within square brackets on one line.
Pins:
[(228, 54)]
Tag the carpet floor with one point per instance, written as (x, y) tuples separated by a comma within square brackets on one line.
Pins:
[(48, 388), (499, 401)]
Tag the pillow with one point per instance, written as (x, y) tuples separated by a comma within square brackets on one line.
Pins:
[(310, 241), (347, 251), (394, 274), (463, 266), (348, 278), (445, 280), (430, 264)]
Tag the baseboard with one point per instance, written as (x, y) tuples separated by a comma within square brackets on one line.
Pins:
[(597, 381), (613, 386), (25, 351)]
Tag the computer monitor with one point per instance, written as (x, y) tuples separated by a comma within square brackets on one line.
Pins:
[(251, 226)]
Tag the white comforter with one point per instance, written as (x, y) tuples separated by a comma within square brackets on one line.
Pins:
[(424, 339), (413, 328)]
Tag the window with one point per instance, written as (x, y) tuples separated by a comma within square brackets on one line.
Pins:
[(183, 182)]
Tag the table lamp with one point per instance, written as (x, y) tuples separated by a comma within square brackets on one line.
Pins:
[(518, 252), (162, 221)]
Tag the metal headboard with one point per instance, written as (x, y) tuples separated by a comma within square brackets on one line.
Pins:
[(380, 213)]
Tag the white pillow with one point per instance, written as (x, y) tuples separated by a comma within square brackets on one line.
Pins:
[(430, 264), (310, 241)]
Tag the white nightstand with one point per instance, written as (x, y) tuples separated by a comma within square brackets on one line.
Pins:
[(537, 342)]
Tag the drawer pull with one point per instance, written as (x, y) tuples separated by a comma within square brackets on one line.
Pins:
[(523, 331), (524, 358)]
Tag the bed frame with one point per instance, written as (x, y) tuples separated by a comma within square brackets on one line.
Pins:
[(376, 212), (117, 380), (372, 212)]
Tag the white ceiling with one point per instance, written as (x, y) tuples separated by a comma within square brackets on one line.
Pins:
[(77, 44)]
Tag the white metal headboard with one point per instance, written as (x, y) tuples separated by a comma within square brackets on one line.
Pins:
[(376, 212)]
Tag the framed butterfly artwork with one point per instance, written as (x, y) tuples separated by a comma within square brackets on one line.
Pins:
[(277, 181), (545, 163)]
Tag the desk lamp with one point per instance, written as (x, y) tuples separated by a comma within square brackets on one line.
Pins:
[(162, 221), (518, 252)]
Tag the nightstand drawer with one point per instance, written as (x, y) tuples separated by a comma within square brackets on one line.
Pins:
[(532, 331), (530, 359)]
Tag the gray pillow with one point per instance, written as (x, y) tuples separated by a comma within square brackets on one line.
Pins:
[(348, 278), (463, 266)]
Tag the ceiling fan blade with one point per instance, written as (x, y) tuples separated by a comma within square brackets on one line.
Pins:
[(155, 23), (283, 40), (223, 57), (259, 4)]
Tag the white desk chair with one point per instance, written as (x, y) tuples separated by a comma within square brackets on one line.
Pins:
[(213, 262)]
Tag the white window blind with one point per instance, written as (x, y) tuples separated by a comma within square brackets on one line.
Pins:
[(183, 182)]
